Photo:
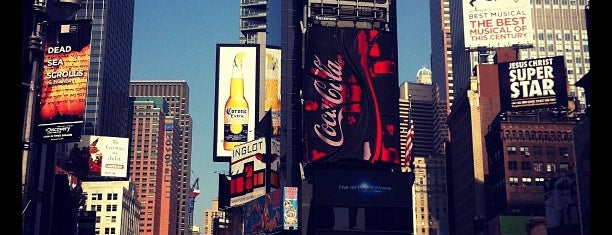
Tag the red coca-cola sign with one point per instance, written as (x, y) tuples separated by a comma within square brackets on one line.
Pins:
[(351, 94)]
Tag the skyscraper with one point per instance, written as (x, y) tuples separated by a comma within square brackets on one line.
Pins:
[(176, 94), (466, 155), (559, 30), (107, 104), (441, 56), (260, 22), (147, 162), (210, 215), (429, 200)]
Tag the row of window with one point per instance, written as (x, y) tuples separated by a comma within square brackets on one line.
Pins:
[(98, 196), (563, 2), (538, 135), (99, 207), (539, 166), (106, 231), (526, 181), (537, 151)]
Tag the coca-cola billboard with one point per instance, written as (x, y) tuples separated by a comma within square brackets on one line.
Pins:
[(351, 95)]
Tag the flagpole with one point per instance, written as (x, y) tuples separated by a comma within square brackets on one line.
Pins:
[(410, 132)]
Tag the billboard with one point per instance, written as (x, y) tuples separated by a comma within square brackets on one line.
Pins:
[(350, 95), (290, 208), (64, 81), (275, 161), (264, 215), (95, 156), (496, 24), (362, 188), (561, 203), (237, 80), (533, 83), (271, 213), (272, 91), (248, 172)]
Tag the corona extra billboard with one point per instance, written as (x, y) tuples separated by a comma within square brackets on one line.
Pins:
[(237, 80)]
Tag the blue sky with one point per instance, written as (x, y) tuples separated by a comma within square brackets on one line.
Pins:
[(176, 40)]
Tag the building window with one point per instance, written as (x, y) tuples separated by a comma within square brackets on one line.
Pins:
[(111, 196), (537, 151), (564, 152), (526, 181), (524, 151), (564, 167), (512, 165), (537, 166), (550, 151), (512, 150), (551, 167), (539, 181), (513, 181), (96, 196), (525, 166)]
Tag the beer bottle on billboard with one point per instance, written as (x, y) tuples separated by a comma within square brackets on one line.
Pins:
[(236, 112), (272, 101)]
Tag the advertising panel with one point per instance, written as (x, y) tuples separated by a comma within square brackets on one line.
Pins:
[(272, 87), (275, 161), (350, 95), (533, 83), (170, 132), (561, 203), (95, 156), (496, 24), (64, 81), (235, 98), (362, 188), (248, 172), (290, 208), (264, 215)]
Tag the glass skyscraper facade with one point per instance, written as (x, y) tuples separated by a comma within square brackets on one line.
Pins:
[(107, 105)]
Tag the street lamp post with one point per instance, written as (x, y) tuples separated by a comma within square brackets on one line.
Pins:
[(37, 166), (31, 163)]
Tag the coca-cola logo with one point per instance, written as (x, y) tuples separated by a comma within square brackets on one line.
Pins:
[(329, 129)]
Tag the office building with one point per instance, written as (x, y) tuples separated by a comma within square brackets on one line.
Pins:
[(466, 155), (107, 104), (441, 54), (532, 169), (260, 22), (420, 102), (195, 230), (116, 205), (559, 30), (176, 95), (210, 215), (147, 160)]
